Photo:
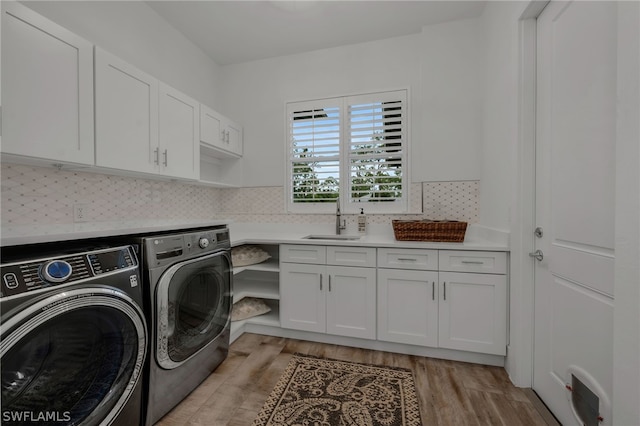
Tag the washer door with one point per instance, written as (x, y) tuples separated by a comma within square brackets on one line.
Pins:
[(193, 307), (73, 358)]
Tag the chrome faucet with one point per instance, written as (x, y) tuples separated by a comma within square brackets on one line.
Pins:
[(339, 226)]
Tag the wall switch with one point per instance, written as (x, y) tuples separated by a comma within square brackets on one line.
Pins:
[(80, 212)]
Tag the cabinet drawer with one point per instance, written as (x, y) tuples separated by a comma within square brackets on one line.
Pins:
[(351, 256), (489, 262), (300, 253), (408, 259)]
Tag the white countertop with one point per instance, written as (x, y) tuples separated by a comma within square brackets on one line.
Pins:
[(34, 234), (477, 238)]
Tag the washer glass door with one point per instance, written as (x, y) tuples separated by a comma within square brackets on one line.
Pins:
[(193, 307), (71, 360)]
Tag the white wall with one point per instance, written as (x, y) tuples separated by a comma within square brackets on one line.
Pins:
[(500, 111), (136, 33), (439, 67), (499, 170), (448, 137)]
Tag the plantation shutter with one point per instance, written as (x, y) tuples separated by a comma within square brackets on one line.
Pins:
[(377, 142), (314, 151), (353, 148)]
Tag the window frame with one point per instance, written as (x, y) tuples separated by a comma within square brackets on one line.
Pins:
[(348, 204)]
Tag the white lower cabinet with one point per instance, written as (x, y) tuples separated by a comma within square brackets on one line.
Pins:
[(408, 306), (421, 305), (339, 300), (473, 312)]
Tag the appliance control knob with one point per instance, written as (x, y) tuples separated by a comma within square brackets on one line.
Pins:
[(56, 271), (203, 242)]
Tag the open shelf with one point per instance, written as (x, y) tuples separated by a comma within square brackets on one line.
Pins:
[(271, 318), (256, 285), (270, 265)]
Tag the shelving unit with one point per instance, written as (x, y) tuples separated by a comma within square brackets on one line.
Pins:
[(262, 281)]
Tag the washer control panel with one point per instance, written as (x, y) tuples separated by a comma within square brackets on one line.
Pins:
[(167, 249), (31, 275)]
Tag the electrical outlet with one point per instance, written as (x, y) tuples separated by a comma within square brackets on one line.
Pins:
[(80, 212)]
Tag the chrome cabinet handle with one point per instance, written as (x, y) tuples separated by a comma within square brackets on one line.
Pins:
[(228, 137), (407, 259), (329, 282), (156, 152), (538, 255), (472, 262), (165, 157), (444, 293), (433, 290), (320, 282)]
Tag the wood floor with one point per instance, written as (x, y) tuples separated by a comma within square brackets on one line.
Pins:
[(450, 393)]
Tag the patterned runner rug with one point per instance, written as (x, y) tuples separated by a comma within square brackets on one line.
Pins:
[(327, 392)]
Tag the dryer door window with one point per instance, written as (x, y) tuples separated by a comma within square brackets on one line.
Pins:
[(194, 306), (71, 361)]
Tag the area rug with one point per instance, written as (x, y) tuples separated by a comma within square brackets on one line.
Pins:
[(328, 392)]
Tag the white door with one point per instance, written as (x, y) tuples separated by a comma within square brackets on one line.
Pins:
[(47, 88), (351, 301), (576, 113), (178, 134), (126, 116)]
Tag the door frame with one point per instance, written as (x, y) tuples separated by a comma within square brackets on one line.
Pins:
[(519, 361)]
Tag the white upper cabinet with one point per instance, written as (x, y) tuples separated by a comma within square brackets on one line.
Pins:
[(126, 116), (47, 89), (143, 125), (179, 144), (220, 133)]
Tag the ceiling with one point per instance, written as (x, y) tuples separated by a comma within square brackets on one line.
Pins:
[(236, 31)]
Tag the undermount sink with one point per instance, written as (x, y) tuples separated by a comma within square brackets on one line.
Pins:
[(331, 237)]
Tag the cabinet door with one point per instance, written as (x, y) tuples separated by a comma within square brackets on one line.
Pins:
[(302, 297), (178, 133), (473, 312), (351, 301), (408, 306), (211, 127), (233, 137), (47, 89), (126, 116)]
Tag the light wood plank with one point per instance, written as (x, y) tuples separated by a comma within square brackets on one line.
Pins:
[(449, 392)]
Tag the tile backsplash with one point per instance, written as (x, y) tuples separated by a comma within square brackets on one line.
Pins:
[(37, 195)]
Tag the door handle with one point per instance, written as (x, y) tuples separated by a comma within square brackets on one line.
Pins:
[(537, 254)]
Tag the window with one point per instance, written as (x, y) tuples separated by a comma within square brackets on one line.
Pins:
[(353, 148)]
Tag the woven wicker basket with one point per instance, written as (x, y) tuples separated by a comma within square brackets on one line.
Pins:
[(429, 230)]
